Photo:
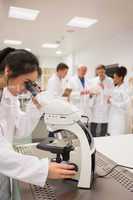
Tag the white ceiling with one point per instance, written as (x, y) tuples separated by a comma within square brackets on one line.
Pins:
[(115, 22)]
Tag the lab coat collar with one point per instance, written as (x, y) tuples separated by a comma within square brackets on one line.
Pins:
[(57, 77), (8, 94), (103, 79), (8, 97), (121, 86)]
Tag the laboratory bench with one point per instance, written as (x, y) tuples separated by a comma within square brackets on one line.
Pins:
[(117, 185)]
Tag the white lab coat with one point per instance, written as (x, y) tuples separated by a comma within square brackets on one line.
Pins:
[(118, 111), (14, 123), (100, 107), (80, 101), (55, 86)]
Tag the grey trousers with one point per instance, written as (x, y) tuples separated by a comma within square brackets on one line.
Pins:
[(5, 193), (98, 129)]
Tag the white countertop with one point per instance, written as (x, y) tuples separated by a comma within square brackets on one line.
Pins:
[(117, 148)]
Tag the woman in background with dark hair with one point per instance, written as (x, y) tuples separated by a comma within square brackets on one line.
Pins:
[(119, 104), (16, 68)]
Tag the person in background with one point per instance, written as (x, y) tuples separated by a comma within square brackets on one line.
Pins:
[(100, 107), (18, 67), (55, 83), (80, 95), (119, 101)]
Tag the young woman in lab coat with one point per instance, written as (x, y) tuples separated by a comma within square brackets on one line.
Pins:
[(119, 101), (18, 67)]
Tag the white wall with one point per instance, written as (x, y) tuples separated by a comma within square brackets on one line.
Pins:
[(49, 62), (108, 53), (69, 61)]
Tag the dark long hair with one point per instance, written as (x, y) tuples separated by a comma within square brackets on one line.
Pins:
[(19, 61), (121, 72)]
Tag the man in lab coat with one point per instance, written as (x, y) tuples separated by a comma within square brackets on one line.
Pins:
[(80, 90), (55, 83), (103, 86)]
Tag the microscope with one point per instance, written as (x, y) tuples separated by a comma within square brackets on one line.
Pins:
[(76, 147)]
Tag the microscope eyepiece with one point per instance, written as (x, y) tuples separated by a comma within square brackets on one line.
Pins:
[(31, 87)]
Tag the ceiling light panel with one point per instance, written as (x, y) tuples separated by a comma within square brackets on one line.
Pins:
[(58, 52), (23, 13), (81, 22), (13, 42), (50, 45)]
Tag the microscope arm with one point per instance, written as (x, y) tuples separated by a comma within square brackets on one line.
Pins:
[(61, 115)]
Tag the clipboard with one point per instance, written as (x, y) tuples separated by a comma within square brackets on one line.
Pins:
[(67, 92)]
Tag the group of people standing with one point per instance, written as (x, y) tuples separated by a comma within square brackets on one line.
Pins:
[(102, 99)]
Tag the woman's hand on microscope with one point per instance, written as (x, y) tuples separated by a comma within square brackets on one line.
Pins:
[(61, 171)]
